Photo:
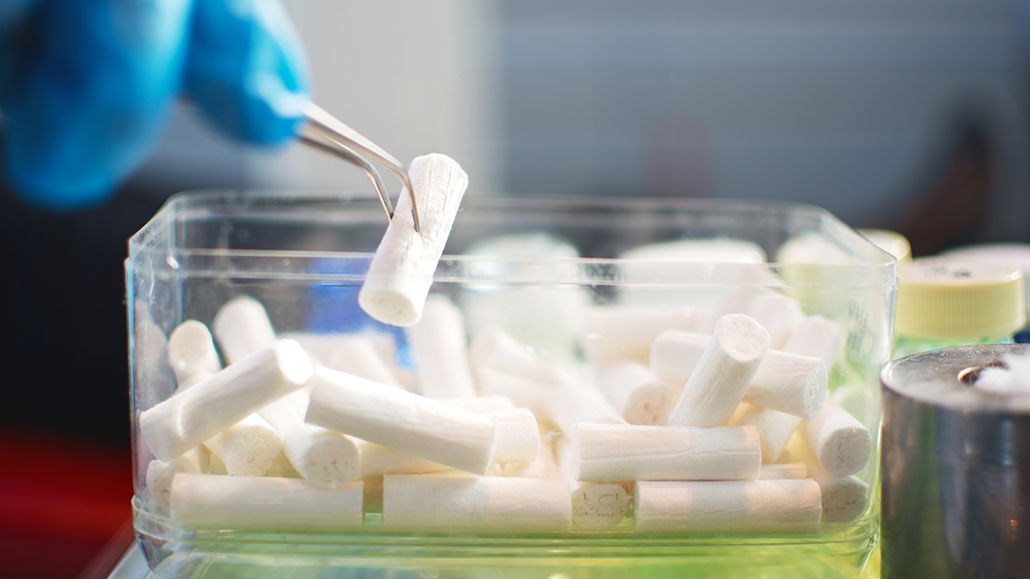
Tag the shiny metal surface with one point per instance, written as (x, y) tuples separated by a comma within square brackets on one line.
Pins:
[(956, 468)]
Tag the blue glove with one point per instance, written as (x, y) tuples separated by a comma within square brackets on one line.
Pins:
[(87, 85)]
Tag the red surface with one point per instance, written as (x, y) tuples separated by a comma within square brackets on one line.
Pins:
[(61, 501)]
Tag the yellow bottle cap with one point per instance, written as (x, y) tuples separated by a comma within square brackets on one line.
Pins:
[(892, 242), (948, 299)]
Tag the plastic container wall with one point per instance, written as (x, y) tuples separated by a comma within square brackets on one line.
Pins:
[(304, 259)]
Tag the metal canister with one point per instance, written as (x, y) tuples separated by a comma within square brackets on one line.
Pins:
[(956, 467)]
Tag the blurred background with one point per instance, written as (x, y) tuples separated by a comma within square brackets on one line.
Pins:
[(909, 115)]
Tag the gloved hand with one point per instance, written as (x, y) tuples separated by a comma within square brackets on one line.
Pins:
[(87, 85)]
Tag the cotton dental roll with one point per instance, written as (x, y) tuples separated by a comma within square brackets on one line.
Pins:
[(322, 457), (440, 347), (495, 349), (778, 314), (815, 336), (783, 470), (725, 369), (242, 327), (191, 416), (789, 383), (638, 395), (160, 473), (401, 271), (623, 333), (595, 505), (517, 439), (674, 355), (840, 442), (774, 428), (242, 502), (609, 452), (844, 498), (377, 460), (725, 505), (468, 503), (191, 353), (248, 447), (398, 419), (572, 404)]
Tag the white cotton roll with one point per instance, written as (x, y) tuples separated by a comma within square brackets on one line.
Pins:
[(523, 392), (774, 428), (789, 383), (467, 503), (675, 354), (595, 505), (725, 505), (281, 468), (268, 503), (778, 314), (782, 470), (358, 354), (392, 417), (625, 333), (439, 346), (609, 452), (638, 395), (725, 369), (844, 498), (194, 415), (816, 336), (599, 505), (518, 436), (495, 349), (572, 404), (377, 460), (160, 473), (191, 353), (241, 327), (492, 403), (401, 271), (840, 442), (247, 448)]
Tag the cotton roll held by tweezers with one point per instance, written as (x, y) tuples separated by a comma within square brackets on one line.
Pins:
[(726, 505), (398, 419), (635, 392), (439, 346), (844, 498), (609, 452), (789, 383), (455, 503), (192, 416), (267, 503), (774, 428), (625, 333), (675, 354), (401, 272), (725, 369), (840, 442), (191, 353)]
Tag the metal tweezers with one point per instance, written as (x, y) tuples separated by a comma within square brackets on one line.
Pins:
[(330, 135)]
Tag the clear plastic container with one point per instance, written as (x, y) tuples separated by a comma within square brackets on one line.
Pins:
[(304, 258)]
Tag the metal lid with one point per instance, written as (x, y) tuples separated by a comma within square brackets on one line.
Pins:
[(948, 299), (944, 378)]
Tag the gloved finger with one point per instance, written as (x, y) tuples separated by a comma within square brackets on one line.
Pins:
[(246, 69), (94, 98), (16, 41)]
